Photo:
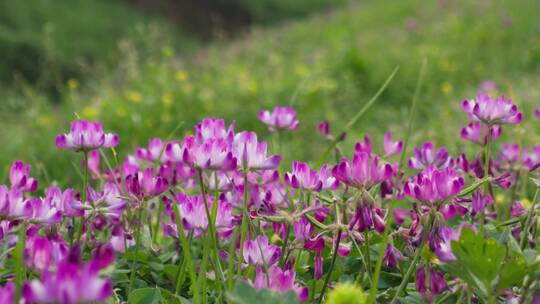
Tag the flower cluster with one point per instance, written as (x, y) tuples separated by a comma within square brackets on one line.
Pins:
[(191, 216)]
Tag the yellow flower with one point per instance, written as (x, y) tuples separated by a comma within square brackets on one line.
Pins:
[(134, 96), (90, 112), (167, 99), (181, 75), (447, 88), (526, 203), (499, 199), (72, 84)]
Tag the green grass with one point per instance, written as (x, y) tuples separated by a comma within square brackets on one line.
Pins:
[(327, 66)]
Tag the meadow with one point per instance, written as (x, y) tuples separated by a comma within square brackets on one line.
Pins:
[(396, 161)]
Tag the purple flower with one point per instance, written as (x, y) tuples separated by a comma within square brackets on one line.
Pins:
[(425, 157), (303, 177), (108, 202), (44, 211), (302, 229), (517, 209), (19, 176), (259, 252), (43, 253), (392, 256), (153, 152), (531, 157), (73, 282), (510, 153), (13, 205), (437, 283), (444, 248), (390, 147), (434, 186), (86, 135), (213, 154), (251, 154), (318, 266), (146, 184), (67, 202), (487, 87), (492, 111), (475, 132), (480, 201), (213, 128), (7, 293), (281, 118), (279, 280), (368, 216), (193, 213), (363, 172), (537, 112)]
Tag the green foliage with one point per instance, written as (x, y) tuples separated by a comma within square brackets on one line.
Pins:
[(244, 293), (486, 265), (145, 296)]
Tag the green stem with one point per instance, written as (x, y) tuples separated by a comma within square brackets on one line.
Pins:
[(486, 174), (20, 269), (158, 220), (368, 254), (187, 252), (334, 256), (284, 246), (211, 233), (416, 257), (83, 194), (390, 216), (528, 221), (137, 245), (244, 225)]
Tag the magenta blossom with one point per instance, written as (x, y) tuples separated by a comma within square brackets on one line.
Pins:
[(475, 132), (86, 135), (480, 201), (437, 283), (146, 184), (303, 177), (280, 281), (153, 152), (213, 154), (193, 213), (251, 154), (19, 176), (443, 249), (426, 156), (67, 202), (492, 111), (281, 118), (531, 157), (108, 202), (391, 147), (363, 172), (72, 282), (302, 229), (259, 252), (13, 205), (43, 252), (537, 112), (213, 128), (433, 186), (7, 293), (392, 256), (44, 211)]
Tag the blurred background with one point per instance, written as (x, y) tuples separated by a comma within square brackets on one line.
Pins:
[(143, 67)]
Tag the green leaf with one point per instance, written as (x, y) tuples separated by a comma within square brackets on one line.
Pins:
[(169, 297), (513, 271), (145, 296), (535, 181), (244, 293), (482, 257)]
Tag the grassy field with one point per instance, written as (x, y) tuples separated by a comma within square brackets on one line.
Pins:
[(327, 66)]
